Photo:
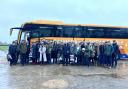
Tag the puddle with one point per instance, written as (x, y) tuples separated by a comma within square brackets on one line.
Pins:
[(2, 53), (55, 84), (62, 77), (61, 70)]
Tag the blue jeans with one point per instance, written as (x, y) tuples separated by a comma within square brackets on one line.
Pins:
[(108, 60)]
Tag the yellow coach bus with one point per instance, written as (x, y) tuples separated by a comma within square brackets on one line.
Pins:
[(56, 30)]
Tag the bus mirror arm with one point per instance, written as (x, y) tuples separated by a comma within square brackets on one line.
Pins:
[(11, 31)]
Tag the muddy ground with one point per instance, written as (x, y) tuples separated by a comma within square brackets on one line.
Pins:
[(62, 77)]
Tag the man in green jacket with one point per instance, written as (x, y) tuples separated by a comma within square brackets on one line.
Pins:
[(23, 51), (108, 50)]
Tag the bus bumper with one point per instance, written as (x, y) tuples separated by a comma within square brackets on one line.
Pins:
[(124, 56)]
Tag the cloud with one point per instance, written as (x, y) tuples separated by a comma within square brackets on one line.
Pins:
[(16, 12)]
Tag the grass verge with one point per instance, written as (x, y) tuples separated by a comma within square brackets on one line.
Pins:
[(4, 48)]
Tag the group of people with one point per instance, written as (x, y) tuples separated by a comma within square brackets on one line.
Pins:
[(102, 53)]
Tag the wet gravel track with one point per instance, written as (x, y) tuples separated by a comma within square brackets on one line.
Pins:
[(62, 77)]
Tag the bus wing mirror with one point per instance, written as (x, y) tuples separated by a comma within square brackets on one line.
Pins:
[(11, 30)]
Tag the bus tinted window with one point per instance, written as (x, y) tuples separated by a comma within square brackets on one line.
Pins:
[(42, 32), (68, 32), (45, 33), (78, 32), (59, 31), (34, 34), (106, 33), (116, 33), (95, 33)]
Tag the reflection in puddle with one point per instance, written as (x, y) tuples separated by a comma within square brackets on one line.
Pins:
[(55, 83), (61, 77)]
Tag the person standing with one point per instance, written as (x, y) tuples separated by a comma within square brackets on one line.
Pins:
[(37, 52), (97, 53), (83, 56), (17, 51), (73, 51), (34, 53), (27, 54), (79, 59), (60, 54), (42, 50), (116, 54), (82, 45), (108, 53), (44, 53), (92, 53), (23, 51), (87, 54), (48, 53), (12, 53), (41, 60), (101, 54), (66, 54), (54, 53)]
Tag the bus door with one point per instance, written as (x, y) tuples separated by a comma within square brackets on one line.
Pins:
[(16, 32)]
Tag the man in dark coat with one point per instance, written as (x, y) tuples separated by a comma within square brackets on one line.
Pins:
[(83, 57), (116, 54), (87, 54), (82, 45), (48, 53), (12, 53), (54, 52), (79, 59), (27, 54), (17, 51), (66, 54), (34, 53), (73, 51), (101, 54)]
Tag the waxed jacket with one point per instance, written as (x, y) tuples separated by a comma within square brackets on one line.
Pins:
[(23, 48), (108, 49)]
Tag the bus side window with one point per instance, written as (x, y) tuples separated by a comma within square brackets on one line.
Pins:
[(95, 33), (77, 32), (68, 31), (113, 33), (61, 32)]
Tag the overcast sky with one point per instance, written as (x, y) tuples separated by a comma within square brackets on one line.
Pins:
[(15, 12)]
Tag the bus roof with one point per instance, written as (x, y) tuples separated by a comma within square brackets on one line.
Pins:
[(49, 22)]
